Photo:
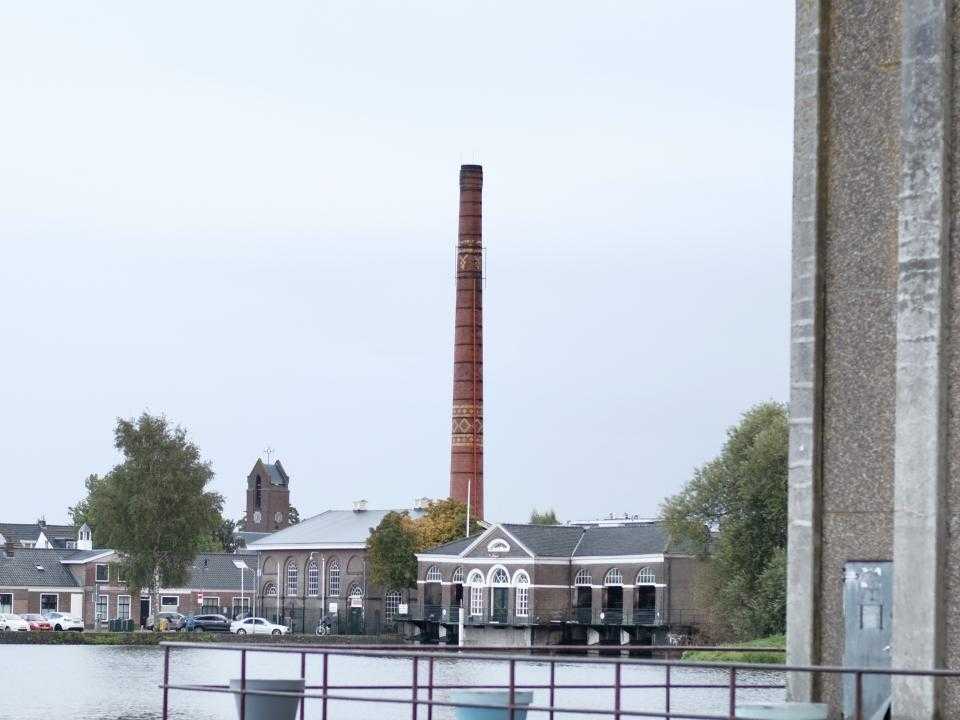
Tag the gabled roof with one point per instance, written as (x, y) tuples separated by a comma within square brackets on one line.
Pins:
[(333, 529), (454, 547), (216, 571), (19, 532), (641, 539), (24, 569), (547, 540)]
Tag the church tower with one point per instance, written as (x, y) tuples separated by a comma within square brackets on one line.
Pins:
[(268, 498)]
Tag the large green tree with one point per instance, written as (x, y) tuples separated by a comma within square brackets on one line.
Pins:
[(442, 522), (736, 505), (154, 508), (390, 549)]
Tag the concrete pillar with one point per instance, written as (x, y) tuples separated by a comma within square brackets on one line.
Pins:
[(875, 308)]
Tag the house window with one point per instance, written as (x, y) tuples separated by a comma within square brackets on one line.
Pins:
[(123, 607), (433, 574), (334, 579), (103, 573), (457, 576), (391, 604), (71, 545), (169, 603), (613, 577), (6, 602), (583, 577), (119, 574), (499, 577), (48, 602), (522, 581), (646, 576), (475, 582), (313, 579), (293, 579), (103, 608), (270, 590), (241, 606)]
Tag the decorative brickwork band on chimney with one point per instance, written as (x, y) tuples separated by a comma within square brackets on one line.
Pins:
[(466, 456)]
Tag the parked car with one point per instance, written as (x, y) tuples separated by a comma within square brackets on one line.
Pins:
[(208, 623), (62, 621), (37, 622), (13, 623), (257, 626), (174, 620)]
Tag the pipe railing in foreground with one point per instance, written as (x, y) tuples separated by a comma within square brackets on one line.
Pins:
[(422, 693)]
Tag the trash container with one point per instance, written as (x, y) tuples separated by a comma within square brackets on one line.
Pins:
[(269, 707), (490, 697), (784, 711)]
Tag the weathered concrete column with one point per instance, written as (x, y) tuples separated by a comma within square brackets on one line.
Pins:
[(920, 451)]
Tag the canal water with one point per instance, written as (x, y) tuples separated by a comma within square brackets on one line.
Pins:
[(83, 682)]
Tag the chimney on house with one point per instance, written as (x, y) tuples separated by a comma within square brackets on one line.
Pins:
[(466, 453)]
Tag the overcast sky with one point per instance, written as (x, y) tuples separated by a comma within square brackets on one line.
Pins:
[(244, 214)]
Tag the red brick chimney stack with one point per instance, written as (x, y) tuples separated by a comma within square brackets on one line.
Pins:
[(466, 455)]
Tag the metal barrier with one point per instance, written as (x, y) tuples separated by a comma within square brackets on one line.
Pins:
[(422, 685)]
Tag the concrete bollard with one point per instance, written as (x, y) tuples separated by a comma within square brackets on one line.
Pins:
[(269, 707)]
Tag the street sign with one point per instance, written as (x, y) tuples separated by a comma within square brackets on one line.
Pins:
[(333, 607)]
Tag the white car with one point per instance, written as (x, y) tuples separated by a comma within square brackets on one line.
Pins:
[(11, 622), (257, 626), (62, 621)]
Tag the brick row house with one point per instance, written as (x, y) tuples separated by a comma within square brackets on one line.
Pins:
[(604, 582)]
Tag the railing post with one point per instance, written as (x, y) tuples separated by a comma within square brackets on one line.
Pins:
[(553, 685), (415, 688), (733, 692), (429, 688), (616, 692), (668, 689), (243, 684), (166, 679), (303, 676), (513, 685), (858, 696), (326, 658)]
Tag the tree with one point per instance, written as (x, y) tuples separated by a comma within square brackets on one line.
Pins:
[(547, 517), (442, 522), (737, 504), (391, 550), (223, 538), (79, 513), (153, 508), (293, 515)]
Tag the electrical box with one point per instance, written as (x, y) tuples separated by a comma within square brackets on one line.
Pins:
[(867, 618)]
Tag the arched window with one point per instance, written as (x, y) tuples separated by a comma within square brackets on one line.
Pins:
[(583, 577), (391, 605), (522, 604), (293, 579), (270, 590), (613, 577), (256, 500), (646, 576), (457, 576), (313, 579), (499, 576), (356, 596), (475, 582), (433, 574), (333, 579)]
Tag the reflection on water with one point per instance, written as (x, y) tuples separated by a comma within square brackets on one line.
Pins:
[(81, 682)]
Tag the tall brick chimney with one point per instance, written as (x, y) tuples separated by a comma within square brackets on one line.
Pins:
[(466, 453)]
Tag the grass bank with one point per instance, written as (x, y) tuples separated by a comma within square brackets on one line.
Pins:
[(750, 656), (151, 638)]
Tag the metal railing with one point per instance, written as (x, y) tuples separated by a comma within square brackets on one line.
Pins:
[(546, 616), (423, 686)]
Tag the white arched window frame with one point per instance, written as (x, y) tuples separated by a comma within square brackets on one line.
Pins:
[(391, 605), (433, 574), (498, 576), (583, 578), (646, 576), (356, 591), (313, 579), (475, 583), (270, 590), (522, 602), (613, 577), (333, 579), (457, 577), (498, 545), (293, 579)]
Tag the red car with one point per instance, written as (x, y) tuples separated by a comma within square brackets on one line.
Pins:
[(37, 622)]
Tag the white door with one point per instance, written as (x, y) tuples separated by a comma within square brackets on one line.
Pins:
[(76, 605)]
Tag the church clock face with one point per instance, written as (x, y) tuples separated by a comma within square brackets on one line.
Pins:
[(257, 516), (278, 517)]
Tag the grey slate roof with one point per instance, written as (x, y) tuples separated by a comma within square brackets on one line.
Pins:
[(278, 475), (17, 532), (547, 540), (333, 527), (644, 539), (454, 547), (216, 571), (21, 569)]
